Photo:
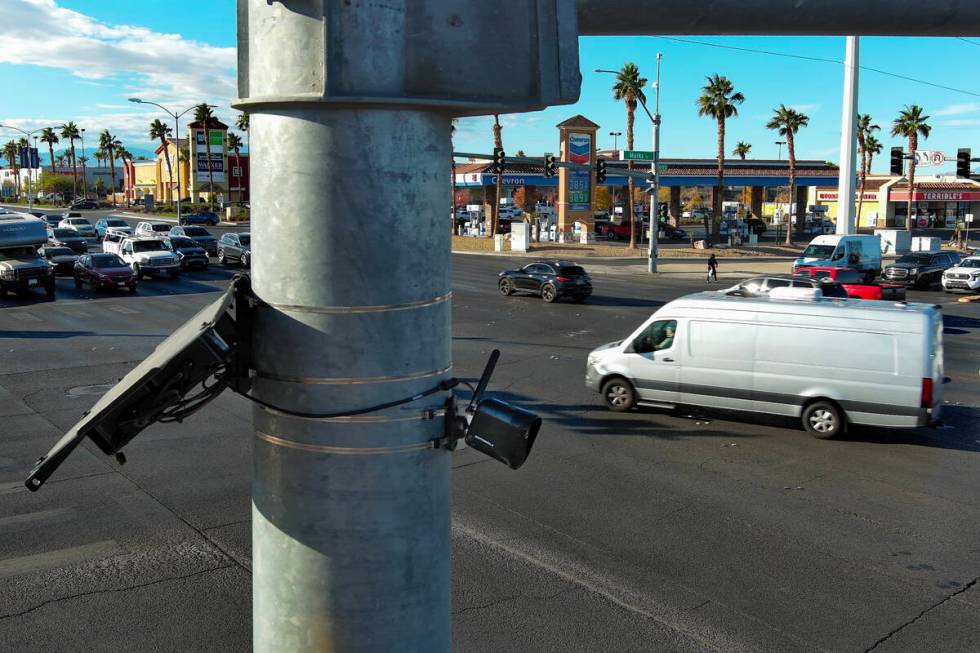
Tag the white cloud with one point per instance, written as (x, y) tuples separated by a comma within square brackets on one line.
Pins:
[(167, 67), (958, 109), (805, 108), (960, 122), (124, 60)]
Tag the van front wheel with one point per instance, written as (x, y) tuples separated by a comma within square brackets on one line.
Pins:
[(618, 394), (823, 420)]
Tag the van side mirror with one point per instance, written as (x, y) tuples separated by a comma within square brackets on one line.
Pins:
[(853, 259)]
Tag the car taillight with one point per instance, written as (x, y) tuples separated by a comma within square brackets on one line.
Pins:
[(926, 401), (562, 279)]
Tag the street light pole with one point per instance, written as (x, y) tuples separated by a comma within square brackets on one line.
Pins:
[(176, 116), (30, 160), (779, 152), (615, 135), (84, 178), (654, 201)]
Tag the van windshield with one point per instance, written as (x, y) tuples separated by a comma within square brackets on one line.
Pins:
[(818, 251)]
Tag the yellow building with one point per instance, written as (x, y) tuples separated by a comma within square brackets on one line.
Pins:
[(145, 179), (165, 190)]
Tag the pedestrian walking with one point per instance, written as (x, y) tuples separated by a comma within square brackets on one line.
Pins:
[(712, 268)]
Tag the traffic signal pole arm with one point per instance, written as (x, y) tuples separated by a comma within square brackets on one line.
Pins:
[(536, 161)]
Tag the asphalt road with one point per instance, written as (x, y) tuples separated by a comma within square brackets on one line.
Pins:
[(623, 532)]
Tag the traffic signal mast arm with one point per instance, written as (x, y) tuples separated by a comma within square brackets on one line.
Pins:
[(537, 161)]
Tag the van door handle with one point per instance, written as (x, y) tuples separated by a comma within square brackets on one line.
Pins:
[(668, 360)]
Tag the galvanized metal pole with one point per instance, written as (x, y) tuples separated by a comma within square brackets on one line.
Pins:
[(655, 168), (846, 220)]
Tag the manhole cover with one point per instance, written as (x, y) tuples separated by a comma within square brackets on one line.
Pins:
[(83, 390)]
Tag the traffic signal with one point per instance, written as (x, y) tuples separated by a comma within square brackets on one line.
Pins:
[(963, 163), (600, 171), (498, 160), (897, 166), (550, 165)]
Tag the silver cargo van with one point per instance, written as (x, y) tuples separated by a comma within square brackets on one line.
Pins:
[(829, 362)]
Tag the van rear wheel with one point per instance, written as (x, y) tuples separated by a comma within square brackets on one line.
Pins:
[(823, 420), (618, 394)]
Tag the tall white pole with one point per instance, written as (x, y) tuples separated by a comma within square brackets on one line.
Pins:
[(846, 220), (654, 209)]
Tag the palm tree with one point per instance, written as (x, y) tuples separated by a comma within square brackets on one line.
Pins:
[(233, 143), (99, 156), (872, 146), (629, 88), (110, 144), (788, 121), (911, 124), (70, 131), (498, 141), (49, 136), (864, 129), (59, 160), (159, 130), (204, 116), (718, 99), (11, 150), (741, 150)]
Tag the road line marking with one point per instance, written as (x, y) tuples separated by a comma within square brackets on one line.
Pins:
[(40, 515), (58, 558), (25, 317), (122, 309)]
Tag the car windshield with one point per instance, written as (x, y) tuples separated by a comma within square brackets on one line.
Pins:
[(571, 271), (818, 251), (970, 263), (196, 231), (921, 259), (244, 238), (64, 233), (19, 252), (78, 221), (116, 222), (178, 242), (57, 251), (148, 246), (107, 261), (160, 227)]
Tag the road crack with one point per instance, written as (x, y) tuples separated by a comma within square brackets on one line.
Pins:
[(911, 621), (508, 599), (120, 589)]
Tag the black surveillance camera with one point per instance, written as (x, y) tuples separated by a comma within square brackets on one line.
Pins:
[(491, 426)]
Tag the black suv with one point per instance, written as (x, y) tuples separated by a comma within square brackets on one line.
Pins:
[(549, 279), (200, 235), (235, 247), (920, 269), (189, 252), (759, 286), (201, 217)]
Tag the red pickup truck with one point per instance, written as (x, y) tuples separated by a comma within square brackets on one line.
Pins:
[(853, 282)]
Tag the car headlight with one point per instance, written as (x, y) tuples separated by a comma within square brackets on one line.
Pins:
[(914, 271), (975, 275), (592, 360), (7, 275)]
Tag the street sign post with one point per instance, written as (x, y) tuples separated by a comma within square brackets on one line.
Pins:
[(636, 155)]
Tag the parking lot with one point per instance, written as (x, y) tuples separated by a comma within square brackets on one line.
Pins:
[(641, 531)]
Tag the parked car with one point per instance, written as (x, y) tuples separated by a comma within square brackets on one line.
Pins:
[(761, 286), (116, 224), (857, 252), (201, 217), (510, 212), (200, 235), (920, 269), (61, 259), (83, 205), (67, 238), (551, 280), (53, 219), (618, 230), (147, 256), (103, 270), (80, 225), (854, 285), (822, 368), (235, 247), (153, 229), (189, 253), (36, 214), (674, 233), (965, 276)]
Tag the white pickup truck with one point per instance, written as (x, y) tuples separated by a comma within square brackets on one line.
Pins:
[(147, 256)]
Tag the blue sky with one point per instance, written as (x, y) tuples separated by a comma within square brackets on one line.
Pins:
[(80, 59)]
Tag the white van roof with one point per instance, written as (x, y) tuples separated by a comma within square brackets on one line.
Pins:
[(833, 239), (860, 313)]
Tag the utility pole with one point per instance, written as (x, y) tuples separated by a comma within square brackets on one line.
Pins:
[(615, 136), (655, 170), (351, 539), (848, 140)]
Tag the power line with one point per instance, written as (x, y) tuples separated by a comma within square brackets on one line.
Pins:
[(960, 38), (823, 60)]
